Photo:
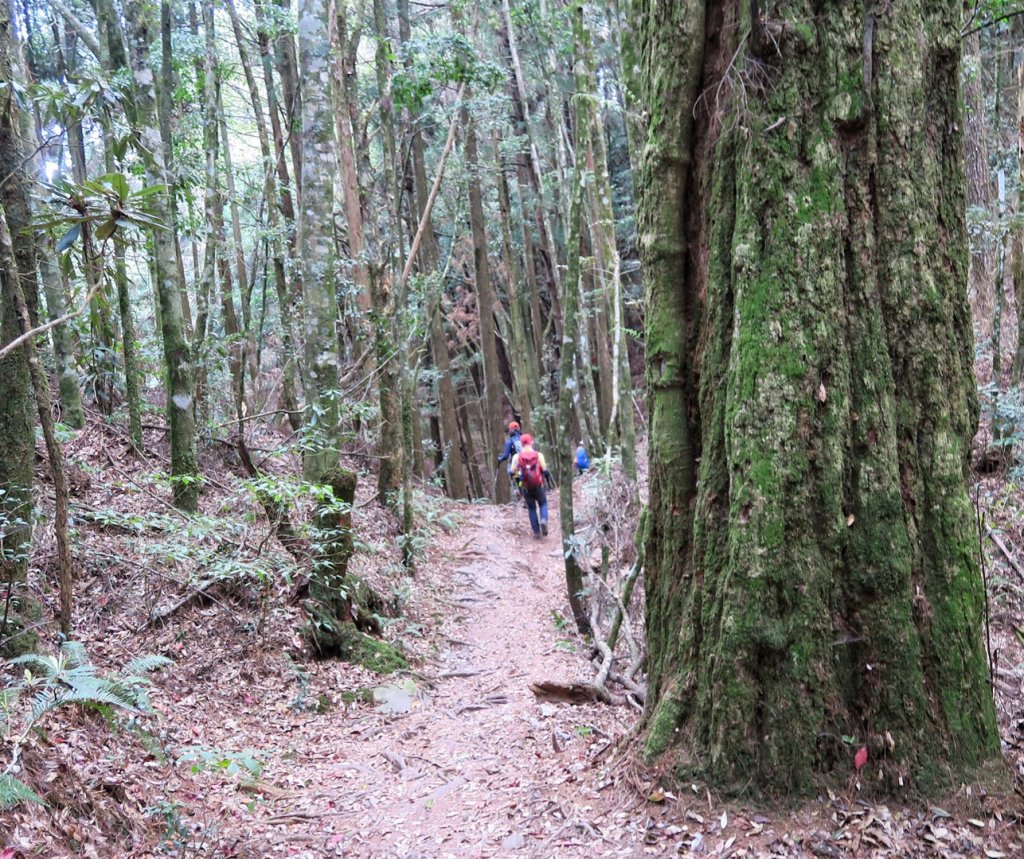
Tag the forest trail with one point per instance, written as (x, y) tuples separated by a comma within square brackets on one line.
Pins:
[(471, 764)]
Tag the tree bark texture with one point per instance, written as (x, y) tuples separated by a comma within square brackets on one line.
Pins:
[(811, 559), (177, 354), (568, 385), (17, 424), (316, 239), (494, 421), (979, 187)]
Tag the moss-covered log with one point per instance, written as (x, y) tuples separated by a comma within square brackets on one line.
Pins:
[(811, 559)]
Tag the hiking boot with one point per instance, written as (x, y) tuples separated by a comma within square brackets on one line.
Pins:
[(536, 535), (544, 528)]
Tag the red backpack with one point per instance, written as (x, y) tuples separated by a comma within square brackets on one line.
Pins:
[(529, 469)]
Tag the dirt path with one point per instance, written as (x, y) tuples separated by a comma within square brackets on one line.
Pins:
[(476, 766)]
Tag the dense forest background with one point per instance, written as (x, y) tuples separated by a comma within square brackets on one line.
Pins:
[(287, 272)]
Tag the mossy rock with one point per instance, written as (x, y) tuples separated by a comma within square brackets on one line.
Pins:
[(362, 695), (331, 638)]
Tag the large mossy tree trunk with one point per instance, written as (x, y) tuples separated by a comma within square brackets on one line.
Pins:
[(17, 423), (811, 559)]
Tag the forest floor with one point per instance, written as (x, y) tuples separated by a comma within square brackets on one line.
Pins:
[(259, 751)]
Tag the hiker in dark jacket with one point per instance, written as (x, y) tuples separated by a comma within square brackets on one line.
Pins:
[(513, 444)]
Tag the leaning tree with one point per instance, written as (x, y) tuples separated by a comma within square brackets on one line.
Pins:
[(812, 560)]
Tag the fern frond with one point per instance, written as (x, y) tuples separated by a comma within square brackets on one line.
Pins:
[(74, 653), (49, 667), (95, 695), (42, 701), (13, 791), (143, 665)]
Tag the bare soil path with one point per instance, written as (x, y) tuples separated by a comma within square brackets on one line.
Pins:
[(469, 762)]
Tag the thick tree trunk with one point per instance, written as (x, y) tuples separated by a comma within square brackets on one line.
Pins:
[(17, 424), (811, 569)]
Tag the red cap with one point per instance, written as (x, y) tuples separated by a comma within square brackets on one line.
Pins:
[(527, 439), (512, 425)]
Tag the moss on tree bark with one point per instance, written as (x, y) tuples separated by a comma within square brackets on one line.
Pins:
[(340, 605), (812, 568)]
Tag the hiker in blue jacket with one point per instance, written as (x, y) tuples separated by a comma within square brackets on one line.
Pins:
[(582, 460), (513, 444)]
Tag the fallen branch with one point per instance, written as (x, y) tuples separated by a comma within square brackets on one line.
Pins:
[(53, 323), (197, 596), (571, 693), (1006, 552)]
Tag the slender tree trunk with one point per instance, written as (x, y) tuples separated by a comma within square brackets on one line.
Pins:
[(113, 56), (41, 390), (169, 289), (243, 277), (494, 423), (810, 562), (103, 362), (979, 191), (346, 45), (621, 423), (388, 308), (568, 387), (277, 193), (524, 358), (1017, 259), (522, 119), (429, 257), (72, 412), (289, 71), (212, 205), (316, 239)]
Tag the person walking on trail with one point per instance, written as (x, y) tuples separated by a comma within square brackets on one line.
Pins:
[(513, 444), (582, 460), (530, 469)]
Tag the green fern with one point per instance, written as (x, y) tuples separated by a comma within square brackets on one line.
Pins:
[(13, 792), (70, 678), (145, 664)]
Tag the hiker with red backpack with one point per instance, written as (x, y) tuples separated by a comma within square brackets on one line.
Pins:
[(529, 468)]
